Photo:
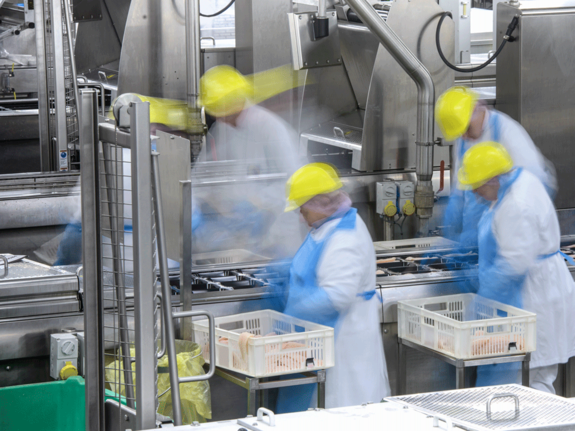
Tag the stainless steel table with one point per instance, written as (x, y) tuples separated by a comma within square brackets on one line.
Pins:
[(254, 384), (459, 364)]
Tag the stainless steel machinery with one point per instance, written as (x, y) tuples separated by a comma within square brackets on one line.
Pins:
[(535, 85)]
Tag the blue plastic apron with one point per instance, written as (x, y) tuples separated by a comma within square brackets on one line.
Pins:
[(310, 302), (472, 208), (496, 285)]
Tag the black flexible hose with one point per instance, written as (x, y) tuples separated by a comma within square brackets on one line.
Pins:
[(220, 12), (510, 29)]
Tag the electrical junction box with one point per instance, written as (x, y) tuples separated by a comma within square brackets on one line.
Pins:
[(63, 349), (405, 203), (386, 193)]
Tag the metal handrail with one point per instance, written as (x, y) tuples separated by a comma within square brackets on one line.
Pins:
[(169, 317)]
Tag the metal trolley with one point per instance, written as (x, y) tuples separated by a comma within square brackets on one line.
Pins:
[(123, 238)]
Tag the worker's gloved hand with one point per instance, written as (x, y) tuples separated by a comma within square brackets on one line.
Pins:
[(70, 248)]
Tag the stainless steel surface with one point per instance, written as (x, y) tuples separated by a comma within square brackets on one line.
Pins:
[(70, 33), (186, 253), (91, 256), (174, 167), (467, 408), (262, 34), (41, 67), (59, 82), (151, 65), (462, 24), (358, 50), (389, 119), (19, 125), (308, 52), (417, 71), (24, 79), (542, 109), (144, 279), (119, 417), (192, 15), (167, 323), (32, 289), (212, 57), (110, 133)]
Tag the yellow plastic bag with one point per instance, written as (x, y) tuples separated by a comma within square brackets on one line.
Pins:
[(196, 398)]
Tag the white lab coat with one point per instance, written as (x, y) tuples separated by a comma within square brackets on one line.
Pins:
[(525, 227), (519, 145), (347, 267), (261, 144)]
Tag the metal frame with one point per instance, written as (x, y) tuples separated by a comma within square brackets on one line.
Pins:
[(459, 364), (91, 256), (109, 195), (254, 384)]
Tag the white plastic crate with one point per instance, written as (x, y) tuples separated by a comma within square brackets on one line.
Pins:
[(298, 346), (467, 326)]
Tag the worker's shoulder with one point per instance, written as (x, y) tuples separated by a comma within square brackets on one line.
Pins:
[(506, 122), (353, 239), (527, 191)]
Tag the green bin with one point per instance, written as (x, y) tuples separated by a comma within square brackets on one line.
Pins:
[(53, 406)]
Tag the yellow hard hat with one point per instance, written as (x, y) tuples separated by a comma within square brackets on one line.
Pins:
[(309, 181), (224, 91), (481, 163), (453, 111)]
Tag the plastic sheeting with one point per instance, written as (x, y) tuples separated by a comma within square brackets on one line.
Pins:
[(195, 397)]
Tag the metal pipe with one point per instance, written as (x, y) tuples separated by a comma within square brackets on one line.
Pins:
[(72, 59), (321, 9), (166, 303), (143, 262), (192, 13), (424, 138), (186, 254)]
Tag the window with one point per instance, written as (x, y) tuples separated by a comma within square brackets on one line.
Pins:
[(221, 27)]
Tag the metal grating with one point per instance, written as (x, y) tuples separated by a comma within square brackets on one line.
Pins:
[(468, 408), (118, 275)]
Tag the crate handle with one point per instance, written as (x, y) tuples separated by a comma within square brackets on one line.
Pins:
[(505, 395), (269, 413), (447, 420)]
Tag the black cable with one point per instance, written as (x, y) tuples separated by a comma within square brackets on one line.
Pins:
[(510, 29), (220, 12)]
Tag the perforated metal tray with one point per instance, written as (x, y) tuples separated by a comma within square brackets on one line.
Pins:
[(511, 408)]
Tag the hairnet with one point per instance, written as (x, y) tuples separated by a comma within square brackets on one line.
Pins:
[(329, 203)]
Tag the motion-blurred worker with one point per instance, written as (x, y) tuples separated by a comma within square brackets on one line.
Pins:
[(463, 118), (249, 215), (519, 259), (331, 282)]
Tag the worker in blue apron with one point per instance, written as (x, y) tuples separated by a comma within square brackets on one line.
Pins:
[(519, 260), (464, 119), (331, 282)]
